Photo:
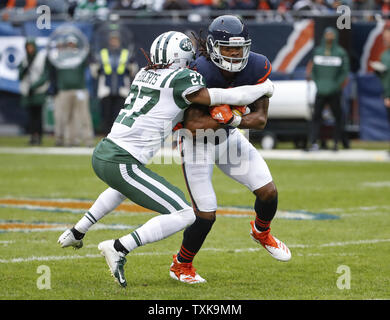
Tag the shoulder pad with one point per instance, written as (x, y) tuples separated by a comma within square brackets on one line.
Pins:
[(260, 66)]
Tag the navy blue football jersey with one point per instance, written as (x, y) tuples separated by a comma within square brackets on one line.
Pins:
[(256, 71)]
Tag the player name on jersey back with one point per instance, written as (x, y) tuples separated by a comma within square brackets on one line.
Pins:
[(149, 77)]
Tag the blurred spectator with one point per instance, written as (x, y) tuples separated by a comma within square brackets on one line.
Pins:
[(383, 71), (242, 4), (150, 5), (56, 6), (111, 3), (221, 4), (72, 4), (73, 123), (33, 87), (320, 6), (17, 8), (314, 6), (264, 5), (332, 4), (123, 5), (25, 4), (302, 5), (91, 9), (284, 5), (385, 7), (115, 70), (201, 3), (176, 5), (363, 5), (330, 73)]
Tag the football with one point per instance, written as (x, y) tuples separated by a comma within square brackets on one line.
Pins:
[(240, 110)]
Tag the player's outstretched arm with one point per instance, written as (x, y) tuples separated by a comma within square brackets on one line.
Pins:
[(237, 96)]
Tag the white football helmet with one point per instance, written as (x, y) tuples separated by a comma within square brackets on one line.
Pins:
[(172, 47)]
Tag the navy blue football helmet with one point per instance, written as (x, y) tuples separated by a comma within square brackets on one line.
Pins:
[(228, 31)]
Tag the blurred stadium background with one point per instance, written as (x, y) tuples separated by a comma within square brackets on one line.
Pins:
[(286, 31)]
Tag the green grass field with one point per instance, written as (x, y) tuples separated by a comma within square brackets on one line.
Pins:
[(236, 268)]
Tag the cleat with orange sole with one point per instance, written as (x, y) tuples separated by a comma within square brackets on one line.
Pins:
[(184, 272)]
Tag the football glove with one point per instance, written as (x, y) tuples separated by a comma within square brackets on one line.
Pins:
[(223, 114)]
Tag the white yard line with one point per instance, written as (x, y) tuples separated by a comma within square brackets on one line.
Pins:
[(361, 208), (6, 242), (167, 153), (376, 184), (156, 253)]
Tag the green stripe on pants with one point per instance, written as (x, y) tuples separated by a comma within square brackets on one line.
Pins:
[(131, 181)]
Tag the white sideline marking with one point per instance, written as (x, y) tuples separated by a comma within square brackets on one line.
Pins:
[(63, 227), (351, 209), (72, 257), (346, 243), (377, 184), (352, 155), (7, 242), (155, 253), (49, 258)]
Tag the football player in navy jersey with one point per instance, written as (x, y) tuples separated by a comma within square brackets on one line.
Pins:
[(225, 60)]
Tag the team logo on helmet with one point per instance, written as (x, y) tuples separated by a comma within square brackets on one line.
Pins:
[(186, 44)]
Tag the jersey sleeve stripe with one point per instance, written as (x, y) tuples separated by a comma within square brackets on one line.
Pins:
[(261, 80), (166, 79), (170, 77)]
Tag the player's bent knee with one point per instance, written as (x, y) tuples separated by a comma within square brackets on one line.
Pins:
[(207, 215), (187, 216), (206, 203), (267, 192)]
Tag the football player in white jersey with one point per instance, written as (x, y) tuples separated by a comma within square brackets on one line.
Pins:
[(159, 95)]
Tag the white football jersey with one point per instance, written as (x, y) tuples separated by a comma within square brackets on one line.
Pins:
[(156, 103)]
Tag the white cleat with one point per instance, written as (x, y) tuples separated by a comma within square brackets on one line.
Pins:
[(67, 239), (115, 260), (275, 247)]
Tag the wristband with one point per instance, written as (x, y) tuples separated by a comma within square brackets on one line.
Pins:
[(215, 96)]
